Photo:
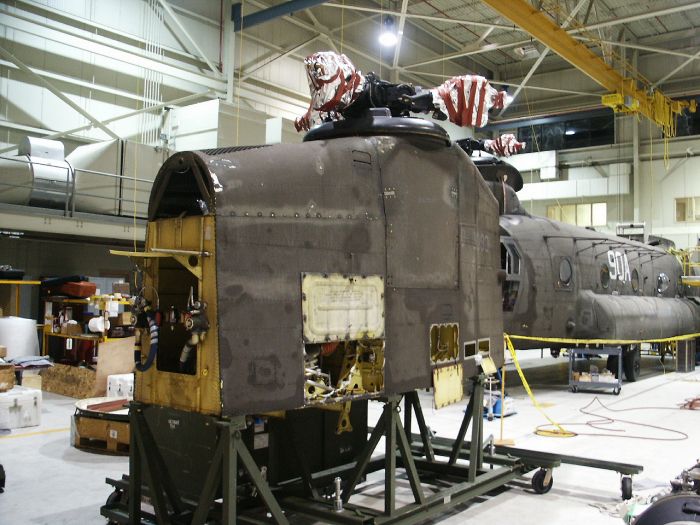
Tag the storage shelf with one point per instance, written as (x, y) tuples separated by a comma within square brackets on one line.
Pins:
[(82, 337), (615, 386), (596, 384)]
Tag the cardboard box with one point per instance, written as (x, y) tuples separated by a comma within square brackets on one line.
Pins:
[(71, 329), (7, 377), (31, 380), (3, 351), (124, 319), (122, 288)]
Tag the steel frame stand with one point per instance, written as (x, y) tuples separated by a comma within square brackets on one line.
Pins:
[(447, 483), (389, 426), (230, 454), (466, 471)]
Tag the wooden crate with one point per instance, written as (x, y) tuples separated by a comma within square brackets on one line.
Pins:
[(101, 435), (115, 356), (7, 377)]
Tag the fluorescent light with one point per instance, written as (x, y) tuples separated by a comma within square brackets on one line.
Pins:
[(569, 132), (388, 37)]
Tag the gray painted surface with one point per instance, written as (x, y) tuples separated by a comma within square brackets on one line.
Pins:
[(408, 208)]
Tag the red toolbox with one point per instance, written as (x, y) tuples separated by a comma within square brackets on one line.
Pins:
[(81, 289)]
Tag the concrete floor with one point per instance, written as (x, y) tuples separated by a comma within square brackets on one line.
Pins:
[(49, 482)]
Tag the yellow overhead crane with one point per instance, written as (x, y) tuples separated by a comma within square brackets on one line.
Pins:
[(630, 93)]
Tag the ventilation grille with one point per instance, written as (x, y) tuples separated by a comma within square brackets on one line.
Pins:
[(230, 149)]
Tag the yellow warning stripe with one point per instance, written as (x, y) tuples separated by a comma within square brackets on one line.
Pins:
[(559, 430), (39, 433), (562, 340)]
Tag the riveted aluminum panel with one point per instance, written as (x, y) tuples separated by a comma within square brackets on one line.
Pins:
[(284, 211), (321, 207), (421, 200)]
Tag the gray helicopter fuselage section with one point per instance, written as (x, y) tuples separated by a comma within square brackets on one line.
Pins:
[(564, 281), (389, 201)]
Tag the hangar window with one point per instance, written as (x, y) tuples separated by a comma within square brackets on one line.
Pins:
[(688, 209), (688, 123), (510, 264), (587, 214), (568, 132)]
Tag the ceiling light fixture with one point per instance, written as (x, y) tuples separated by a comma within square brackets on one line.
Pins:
[(388, 36), (527, 51), (569, 132)]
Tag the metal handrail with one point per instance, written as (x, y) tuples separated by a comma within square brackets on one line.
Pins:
[(70, 193), (113, 175)]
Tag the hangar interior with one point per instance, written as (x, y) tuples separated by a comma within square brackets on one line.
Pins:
[(155, 193)]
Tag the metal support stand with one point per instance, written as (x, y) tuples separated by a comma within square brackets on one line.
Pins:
[(168, 506), (457, 478), (412, 405), (389, 425)]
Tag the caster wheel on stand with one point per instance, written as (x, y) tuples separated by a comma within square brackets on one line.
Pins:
[(542, 481), (626, 487)]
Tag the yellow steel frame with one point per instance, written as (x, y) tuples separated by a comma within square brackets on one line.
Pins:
[(16, 284), (654, 105), (191, 241)]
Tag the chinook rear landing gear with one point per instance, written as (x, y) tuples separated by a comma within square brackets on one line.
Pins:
[(631, 363)]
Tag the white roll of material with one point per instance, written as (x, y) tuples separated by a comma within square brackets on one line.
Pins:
[(20, 336)]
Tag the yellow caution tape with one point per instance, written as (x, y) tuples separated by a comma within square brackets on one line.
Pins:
[(559, 430), (39, 433), (561, 340)]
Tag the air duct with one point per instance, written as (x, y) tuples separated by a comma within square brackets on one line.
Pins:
[(107, 178), (38, 176)]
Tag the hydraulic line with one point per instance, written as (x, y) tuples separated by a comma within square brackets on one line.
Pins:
[(152, 352)]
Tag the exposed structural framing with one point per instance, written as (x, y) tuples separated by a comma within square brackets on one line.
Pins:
[(545, 52), (182, 100), (402, 23), (329, 37), (187, 68), (475, 49), (654, 105), (512, 84), (641, 47), (48, 85), (432, 18), (186, 34), (260, 64), (675, 70), (266, 15)]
